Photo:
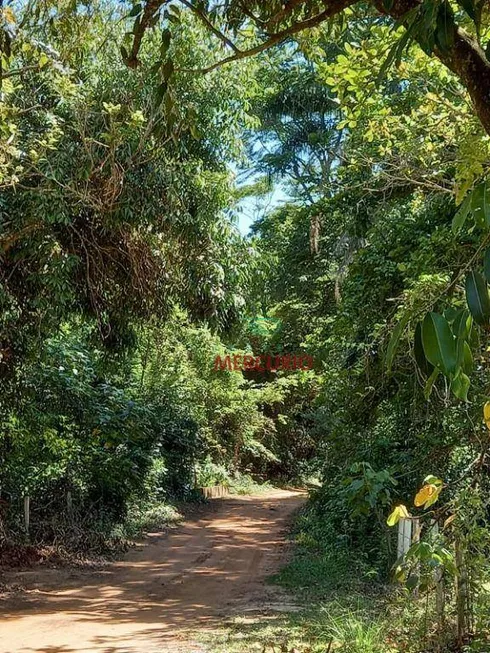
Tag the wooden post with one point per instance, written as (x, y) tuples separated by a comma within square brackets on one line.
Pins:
[(404, 537), (27, 513), (416, 529), (461, 592), (408, 534)]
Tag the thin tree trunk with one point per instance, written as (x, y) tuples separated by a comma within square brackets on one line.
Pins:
[(27, 514), (461, 594)]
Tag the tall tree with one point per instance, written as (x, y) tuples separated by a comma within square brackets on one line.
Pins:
[(456, 35)]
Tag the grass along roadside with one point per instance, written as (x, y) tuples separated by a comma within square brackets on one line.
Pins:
[(349, 619), (341, 606)]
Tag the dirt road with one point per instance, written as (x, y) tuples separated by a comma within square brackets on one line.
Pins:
[(211, 568)]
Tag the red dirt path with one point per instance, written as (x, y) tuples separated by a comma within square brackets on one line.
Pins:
[(210, 569)]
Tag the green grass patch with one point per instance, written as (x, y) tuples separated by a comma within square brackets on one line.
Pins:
[(340, 606), (246, 484)]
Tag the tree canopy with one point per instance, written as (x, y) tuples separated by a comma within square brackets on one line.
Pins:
[(456, 33), (126, 130)]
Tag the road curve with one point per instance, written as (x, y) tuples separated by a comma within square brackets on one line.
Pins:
[(212, 567)]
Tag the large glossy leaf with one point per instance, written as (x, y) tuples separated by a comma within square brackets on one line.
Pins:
[(477, 204), (486, 265), (461, 328), (480, 204), (461, 214), (467, 362), (477, 298), (418, 350), (439, 343), (462, 323)]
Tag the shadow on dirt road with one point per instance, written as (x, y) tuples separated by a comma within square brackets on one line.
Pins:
[(213, 567)]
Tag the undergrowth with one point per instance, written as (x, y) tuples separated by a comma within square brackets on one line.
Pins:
[(334, 601), (246, 484), (83, 538), (209, 474)]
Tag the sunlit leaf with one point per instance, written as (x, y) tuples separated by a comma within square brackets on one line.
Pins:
[(430, 383), (424, 495), (400, 512), (428, 494), (460, 386), (434, 480), (486, 414)]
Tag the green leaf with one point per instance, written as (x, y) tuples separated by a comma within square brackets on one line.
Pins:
[(469, 7), (418, 350), (462, 324), (433, 480), (135, 11), (165, 44), (412, 582), (467, 359), (451, 313), (486, 265), (445, 27), (460, 386), (168, 70), (477, 298), (480, 204), (430, 383), (439, 343), (461, 327), (160, 93), (394, 54), (462, 213)]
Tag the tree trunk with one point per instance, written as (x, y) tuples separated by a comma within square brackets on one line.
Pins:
[(468, 61), (465, 58)]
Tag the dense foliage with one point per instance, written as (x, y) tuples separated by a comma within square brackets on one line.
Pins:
[(378, 278), (124, 280)]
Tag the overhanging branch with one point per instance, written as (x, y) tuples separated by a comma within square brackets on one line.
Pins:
[(463, 56), (279, 37)]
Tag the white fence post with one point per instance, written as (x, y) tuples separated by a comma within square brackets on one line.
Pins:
[(408, 534), (404, 537)]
